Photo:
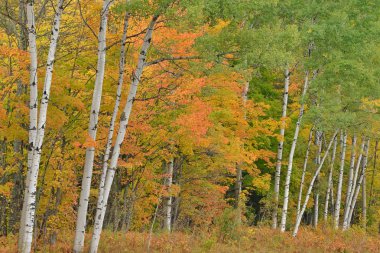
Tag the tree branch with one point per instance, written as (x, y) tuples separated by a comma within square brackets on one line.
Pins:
[(84, 21)]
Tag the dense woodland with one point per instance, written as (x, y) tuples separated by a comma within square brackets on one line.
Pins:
[(169, 120)]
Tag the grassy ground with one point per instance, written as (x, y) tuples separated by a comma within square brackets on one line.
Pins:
[(246, 240)]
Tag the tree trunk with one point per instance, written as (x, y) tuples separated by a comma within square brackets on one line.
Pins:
[(168, 204), (330, 183), (346, 221), (238, 186), (115, 110), (350, 178), (100, 212), (364, 202), (239, 172), (319, 140), (298, 222), (33, 114), (357, 169), (280, 149), (373, 176), (92, 129), (340, 180), (152, 225), (39, 135), (304, 172), (291, 155), (357, 189), (19, 144)]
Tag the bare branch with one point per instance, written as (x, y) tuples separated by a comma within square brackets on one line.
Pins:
[(84, 21)]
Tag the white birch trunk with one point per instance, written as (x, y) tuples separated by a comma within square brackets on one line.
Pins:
[(33, 174), (370, 200), (169, 181), (304, 172), (239, 172), (316, 208), (152, 225), (364, 202), (318, 170), (346, 220), (92, 129), (238, 186), (280, 149), (115, 112), (33, 108), (291, 156), (357, 169), (350, 178), (340, 180), (100, 212), (319, 136), (357, 189), (332, 197), (330, 183)]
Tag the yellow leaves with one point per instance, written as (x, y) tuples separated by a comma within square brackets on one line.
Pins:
[(77, 144), (6, 189), (173, 190), (63, 100), (15, 53), (56, 118), (89, 143), (3, 116), (126, 164), (370, 105), (262, 182), (229, 56), (195, 122), (219, 26), (94, 193), (15, 132)]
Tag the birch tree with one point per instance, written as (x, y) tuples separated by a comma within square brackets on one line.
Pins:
[(318, 138), (304, 171), (33, 110), (340, 180), (92, 130), (316, 173), (364, 202), (280, 149), (239, 173), (124, 119), (115, 110), (329, 191), (370, 200), (29, 216), (350, 177), (168, 204), (291, 155), (357, 188), (346, 220)]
